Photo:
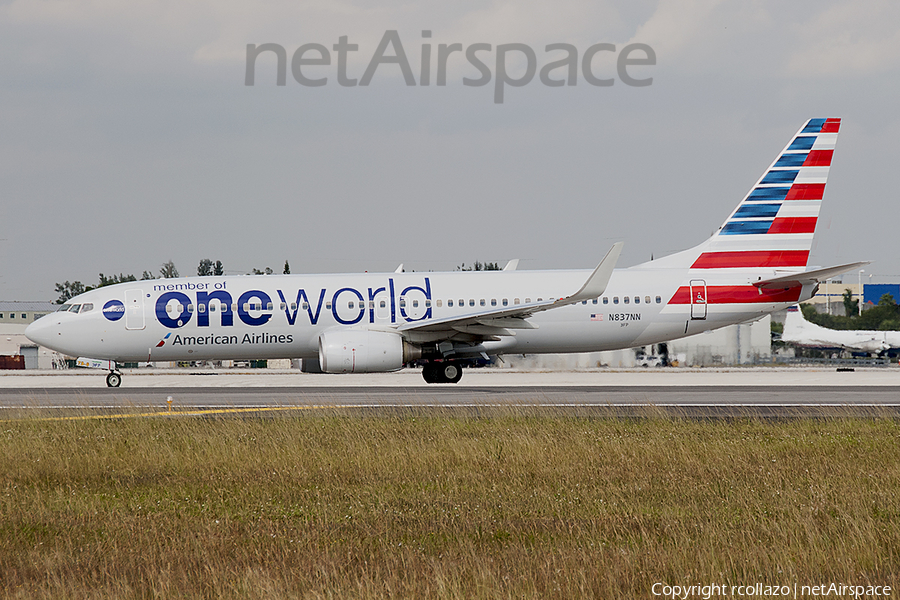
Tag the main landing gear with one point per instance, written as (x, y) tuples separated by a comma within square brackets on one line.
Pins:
[(113, 379), (442, 372)]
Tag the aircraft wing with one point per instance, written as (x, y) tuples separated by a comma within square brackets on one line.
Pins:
[(499, 322), (808, 277)]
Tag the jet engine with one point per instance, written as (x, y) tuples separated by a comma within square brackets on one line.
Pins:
[(364, 351)]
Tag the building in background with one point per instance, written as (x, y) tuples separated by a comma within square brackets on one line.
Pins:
[(14, 318)]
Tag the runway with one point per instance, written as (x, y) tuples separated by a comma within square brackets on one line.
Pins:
[(763, 393)]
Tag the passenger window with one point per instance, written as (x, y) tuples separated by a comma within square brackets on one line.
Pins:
[(625, 299), (646, 299), (540, 299), (234, 308), (247, 306), (350, 304), (427, 303), (527, 300), (328, 305), (462, 303), (382, 304), (212, 308), (449, 303), (605, 300), (415, 304), (201, 308), (305, 306), (584, 302), (505, 302), (471, 302), (481, 302), (170, 308), (615, 299), (658, 300), (594, 301), (293, 306), (637, 299), (402, 303), (270, 306)]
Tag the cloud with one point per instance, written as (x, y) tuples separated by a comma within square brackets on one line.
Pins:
[(850, 39)]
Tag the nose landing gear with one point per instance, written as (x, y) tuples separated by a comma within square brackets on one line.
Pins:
[(113, 379), (442, 372)]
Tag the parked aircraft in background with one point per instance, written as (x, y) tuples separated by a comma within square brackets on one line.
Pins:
[(797, 330), (756, 263)]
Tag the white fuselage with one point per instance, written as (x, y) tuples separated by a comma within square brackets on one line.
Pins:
[(282, 316), (798, 330)]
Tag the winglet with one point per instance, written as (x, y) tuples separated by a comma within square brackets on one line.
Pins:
[(599, 279), (399, 269)]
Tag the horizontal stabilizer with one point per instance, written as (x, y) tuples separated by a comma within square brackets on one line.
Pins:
[(808, 277)]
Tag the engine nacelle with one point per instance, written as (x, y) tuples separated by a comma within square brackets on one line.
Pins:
[(364, 351)]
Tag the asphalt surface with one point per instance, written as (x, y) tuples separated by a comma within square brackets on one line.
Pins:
[(717, 393)]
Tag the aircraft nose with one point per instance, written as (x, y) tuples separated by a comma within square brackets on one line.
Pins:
[(43, 331)]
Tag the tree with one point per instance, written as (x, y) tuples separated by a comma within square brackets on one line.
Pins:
[(205, 269), (488, 266), (146, 276), (268, 271), (168, 270), (69, 290), (287, 268), (851, 306), (120, 278), (218, 270)]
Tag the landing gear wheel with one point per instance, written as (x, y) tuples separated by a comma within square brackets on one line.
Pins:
[(113, 380), (443, 372), (430, 373), (450, 373)]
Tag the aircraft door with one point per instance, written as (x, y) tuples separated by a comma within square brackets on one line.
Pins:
[(698, 299), (134, 309)]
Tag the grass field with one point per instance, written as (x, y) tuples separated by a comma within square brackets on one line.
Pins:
[(442, 506)]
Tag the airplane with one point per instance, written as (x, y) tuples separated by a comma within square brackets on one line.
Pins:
[(754, 264), (797, 330)]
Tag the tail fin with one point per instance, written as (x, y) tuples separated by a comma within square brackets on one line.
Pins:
[(796, 328), (774, 224)]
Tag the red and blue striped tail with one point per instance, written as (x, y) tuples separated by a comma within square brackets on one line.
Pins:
[(773, 226)]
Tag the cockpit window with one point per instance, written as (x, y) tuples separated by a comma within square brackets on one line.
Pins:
[(87, 307), (75, 308), (64, 308)]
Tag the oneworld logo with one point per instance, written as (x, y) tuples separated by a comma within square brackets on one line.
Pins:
[(114, 310), (312, 62)]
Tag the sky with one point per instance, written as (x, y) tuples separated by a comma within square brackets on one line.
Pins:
[(129, 138)]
